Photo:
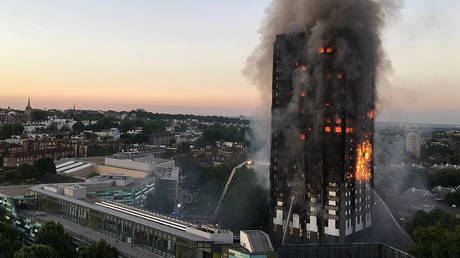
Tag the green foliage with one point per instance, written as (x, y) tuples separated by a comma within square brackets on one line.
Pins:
[(32, 181), (45, 165), (78, 127), (54, 235), (103, 123), (8, 130), (128, 125), (52, 128), (445, 177), (9, 240), (221, 133), (39, 115), (155, 126), (444, 147), (436, 234), (28, 174), (99, 249), (37, 251), (436, 241), (96, 150), (434, 217), (136, 138), (180, 128)]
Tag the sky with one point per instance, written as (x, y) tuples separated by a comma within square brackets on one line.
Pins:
[(187, 56)]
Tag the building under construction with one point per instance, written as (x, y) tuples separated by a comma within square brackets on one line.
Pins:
[(321, 173)]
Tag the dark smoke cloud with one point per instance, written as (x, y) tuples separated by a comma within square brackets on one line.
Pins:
[(353, 26)]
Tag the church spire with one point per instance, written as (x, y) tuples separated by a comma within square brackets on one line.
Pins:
[(28, 103)]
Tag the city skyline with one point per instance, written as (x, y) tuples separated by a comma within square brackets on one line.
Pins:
[(183, 58)]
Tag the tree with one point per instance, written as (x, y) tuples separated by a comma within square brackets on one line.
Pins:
[(95, 150), (26, 171), (436, 241), (78, 127), (9, 240), (45, 165), (37, 251), (52, 127), (8, 130), (100, 249), (54, 235), (154, 127), (432, 218), (39, 115), (127, 125)]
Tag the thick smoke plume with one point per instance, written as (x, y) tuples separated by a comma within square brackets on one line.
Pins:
[(352, 26)]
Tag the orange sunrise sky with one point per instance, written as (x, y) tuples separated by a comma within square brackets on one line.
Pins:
[(188, 56)]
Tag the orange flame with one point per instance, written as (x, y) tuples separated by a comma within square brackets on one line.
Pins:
[(304, 68), (363, 161), (303, 93), (322, 50), (371, 114), (303, 137), (329, 50), (338, 129), (327, 129), (339, 75)]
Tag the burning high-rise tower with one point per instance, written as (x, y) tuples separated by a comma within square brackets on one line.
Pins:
[(321, 172)]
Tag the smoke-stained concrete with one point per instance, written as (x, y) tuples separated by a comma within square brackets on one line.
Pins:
[(325, 21), (328, 58)]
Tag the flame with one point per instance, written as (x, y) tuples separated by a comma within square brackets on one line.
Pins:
[(338, 121), (322, 50), (371, 114), (329, 50), (304, 68), (303, 93), (349, 130), (327, 129), (340, 76), (338, 129), (303, 137), (363, 161)]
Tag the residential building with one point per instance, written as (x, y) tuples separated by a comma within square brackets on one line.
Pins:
[(413, 142), (321, 172)]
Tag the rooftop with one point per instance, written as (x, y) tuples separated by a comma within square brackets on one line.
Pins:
[(163, 223)]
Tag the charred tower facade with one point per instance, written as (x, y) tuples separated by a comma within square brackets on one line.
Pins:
[(321, 172)]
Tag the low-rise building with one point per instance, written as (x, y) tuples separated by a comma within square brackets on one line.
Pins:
[(123, 189), (155, 233)]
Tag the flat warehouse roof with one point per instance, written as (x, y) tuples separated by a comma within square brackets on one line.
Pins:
[(128, 214)]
